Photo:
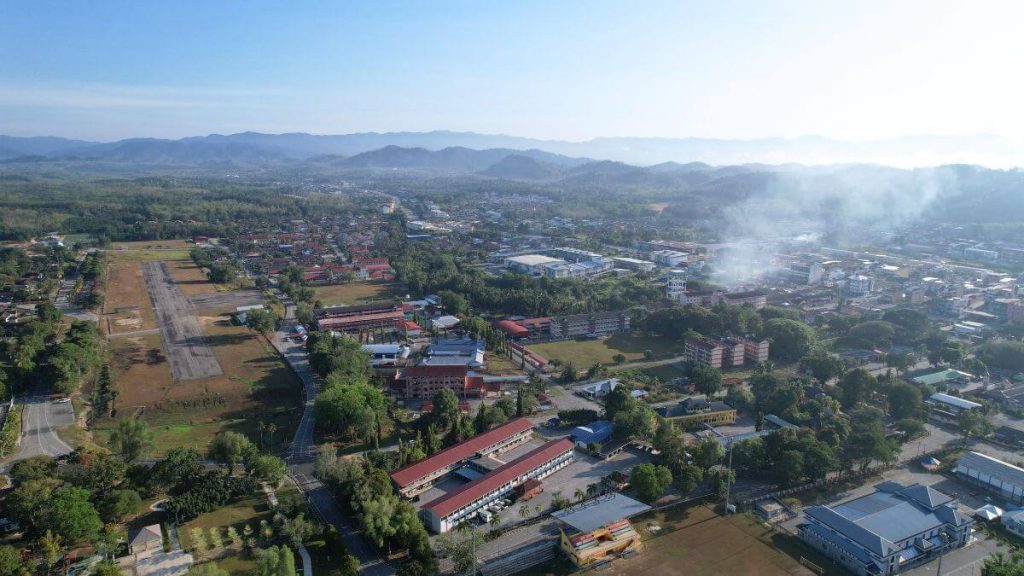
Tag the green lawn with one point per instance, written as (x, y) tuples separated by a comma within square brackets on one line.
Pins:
[(358, 292), (586, 353)]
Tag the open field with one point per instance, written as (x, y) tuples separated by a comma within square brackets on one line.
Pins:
[(697, 542), (186, 347), (147, 255), (586, 353), (358, 292), (227, 300), (153, 245), (126, 290)]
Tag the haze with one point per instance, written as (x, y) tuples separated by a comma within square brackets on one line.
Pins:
[(572, 71)]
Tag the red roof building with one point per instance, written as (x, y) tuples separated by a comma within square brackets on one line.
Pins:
[(512, 329), (425, 381), (419, 476), (460, 504)]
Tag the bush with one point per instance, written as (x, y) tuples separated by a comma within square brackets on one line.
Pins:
[(11, 430), (208, 492)]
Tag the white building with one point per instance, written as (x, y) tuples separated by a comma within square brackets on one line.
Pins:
[(1001, 478), (676, 288), (859, 284), (670, 257)]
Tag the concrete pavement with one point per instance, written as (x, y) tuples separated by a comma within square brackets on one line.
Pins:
[(302, 453)]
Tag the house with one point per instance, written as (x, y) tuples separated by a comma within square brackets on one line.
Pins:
[(593, 324), (600, 389), (386, 354), (1013, 522), (598, 530), (425, 381), (888, 531), (146, 539)]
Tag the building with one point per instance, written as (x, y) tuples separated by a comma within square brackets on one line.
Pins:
[(600, 389), (634, 264), (597, 432), (756, 351), (532, 264), (1013, 522), (697, 411), (511, 329), (859, 284), (596, 323), (146, 539), (425, 381), (1015, 313), (948, 408), (756, 298), (368, 317), (598, 531), (889, 531), (947, 377), (675, 288), (382, 355), (671, 258), (456, 352), (725, 352), (564, 263), (448, 511), (1000, 478), (420, 476)]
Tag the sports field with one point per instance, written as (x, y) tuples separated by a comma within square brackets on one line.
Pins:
[(586, 353), (358, 292)]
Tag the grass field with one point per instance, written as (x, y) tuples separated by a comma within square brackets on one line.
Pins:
[(698, 542), (586, 353), (358, 292), (153, 245), (147, 255), (248, 510)]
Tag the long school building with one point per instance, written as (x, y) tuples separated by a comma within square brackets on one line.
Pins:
[(461, 504), (420, 476)]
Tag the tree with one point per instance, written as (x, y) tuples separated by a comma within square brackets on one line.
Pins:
[(975, 367), (269, 469), (706, 379), (855, 387), (1000, 565), (688, 477), (304, 314), (453, 303), (822, 365), (10, 562), (179, 466), (721, 478), (120, 504), (790, 468), (299, 530), (973, 424), (446, 408), (275, 561), (230, 449), (791, 339), (73, 516), (355, 410), (262, 321), (131, 438), (650, 481), (53, 546), (568, 375), (899, 361), (904, 401), (910, 428), (107, 567), (740, 398), (708, 453)]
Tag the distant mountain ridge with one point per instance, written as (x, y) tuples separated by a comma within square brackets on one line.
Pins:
[(254, 147)]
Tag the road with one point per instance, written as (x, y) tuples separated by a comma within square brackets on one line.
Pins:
[(39, 424), (302, 453)]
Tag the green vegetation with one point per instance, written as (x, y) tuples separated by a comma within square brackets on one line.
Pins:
[(603, 351)]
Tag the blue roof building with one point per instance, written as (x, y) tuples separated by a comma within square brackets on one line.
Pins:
[(889, 531), (596, 432)]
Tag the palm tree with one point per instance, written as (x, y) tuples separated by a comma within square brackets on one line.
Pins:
[(579, 495), (592, 490), (524, 511), (53, 546), (271, 428), (495, 521), (261, 427), (538, 508)]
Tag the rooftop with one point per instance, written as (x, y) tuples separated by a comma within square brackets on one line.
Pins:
[(459, 452), (601, 511), (953, 401), (996, 469), (533, 260), (462, 496)]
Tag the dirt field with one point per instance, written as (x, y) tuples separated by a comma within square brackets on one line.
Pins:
[(358, 292), (229, 300), (153, 245), (187, 349), (126, 289), (586, 353), (698, 542)]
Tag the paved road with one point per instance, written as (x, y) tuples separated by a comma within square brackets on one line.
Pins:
[(188, 351), (39, 424), (302, 454)]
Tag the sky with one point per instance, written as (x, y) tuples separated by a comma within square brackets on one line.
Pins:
[(858, 70)]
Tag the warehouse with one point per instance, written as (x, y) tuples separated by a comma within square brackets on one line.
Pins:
[(457, 506), (996, 476), (420, 476)]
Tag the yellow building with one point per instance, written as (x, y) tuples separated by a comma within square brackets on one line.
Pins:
[(695, 412), (598, 531)]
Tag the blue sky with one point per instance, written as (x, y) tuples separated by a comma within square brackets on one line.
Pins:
[(555, 69)]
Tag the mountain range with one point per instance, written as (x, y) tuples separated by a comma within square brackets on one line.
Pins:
[(256, 149)]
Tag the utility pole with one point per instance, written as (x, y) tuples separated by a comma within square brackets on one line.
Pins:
[(472, 569), (728, 480)]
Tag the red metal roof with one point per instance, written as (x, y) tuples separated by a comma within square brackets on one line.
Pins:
[(511, 328), (467, 493), (459, 452)]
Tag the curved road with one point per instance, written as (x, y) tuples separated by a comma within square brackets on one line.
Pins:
[(302, 454), (40, 421)]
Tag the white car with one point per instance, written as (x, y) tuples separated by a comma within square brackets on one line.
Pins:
[(62, 400)]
